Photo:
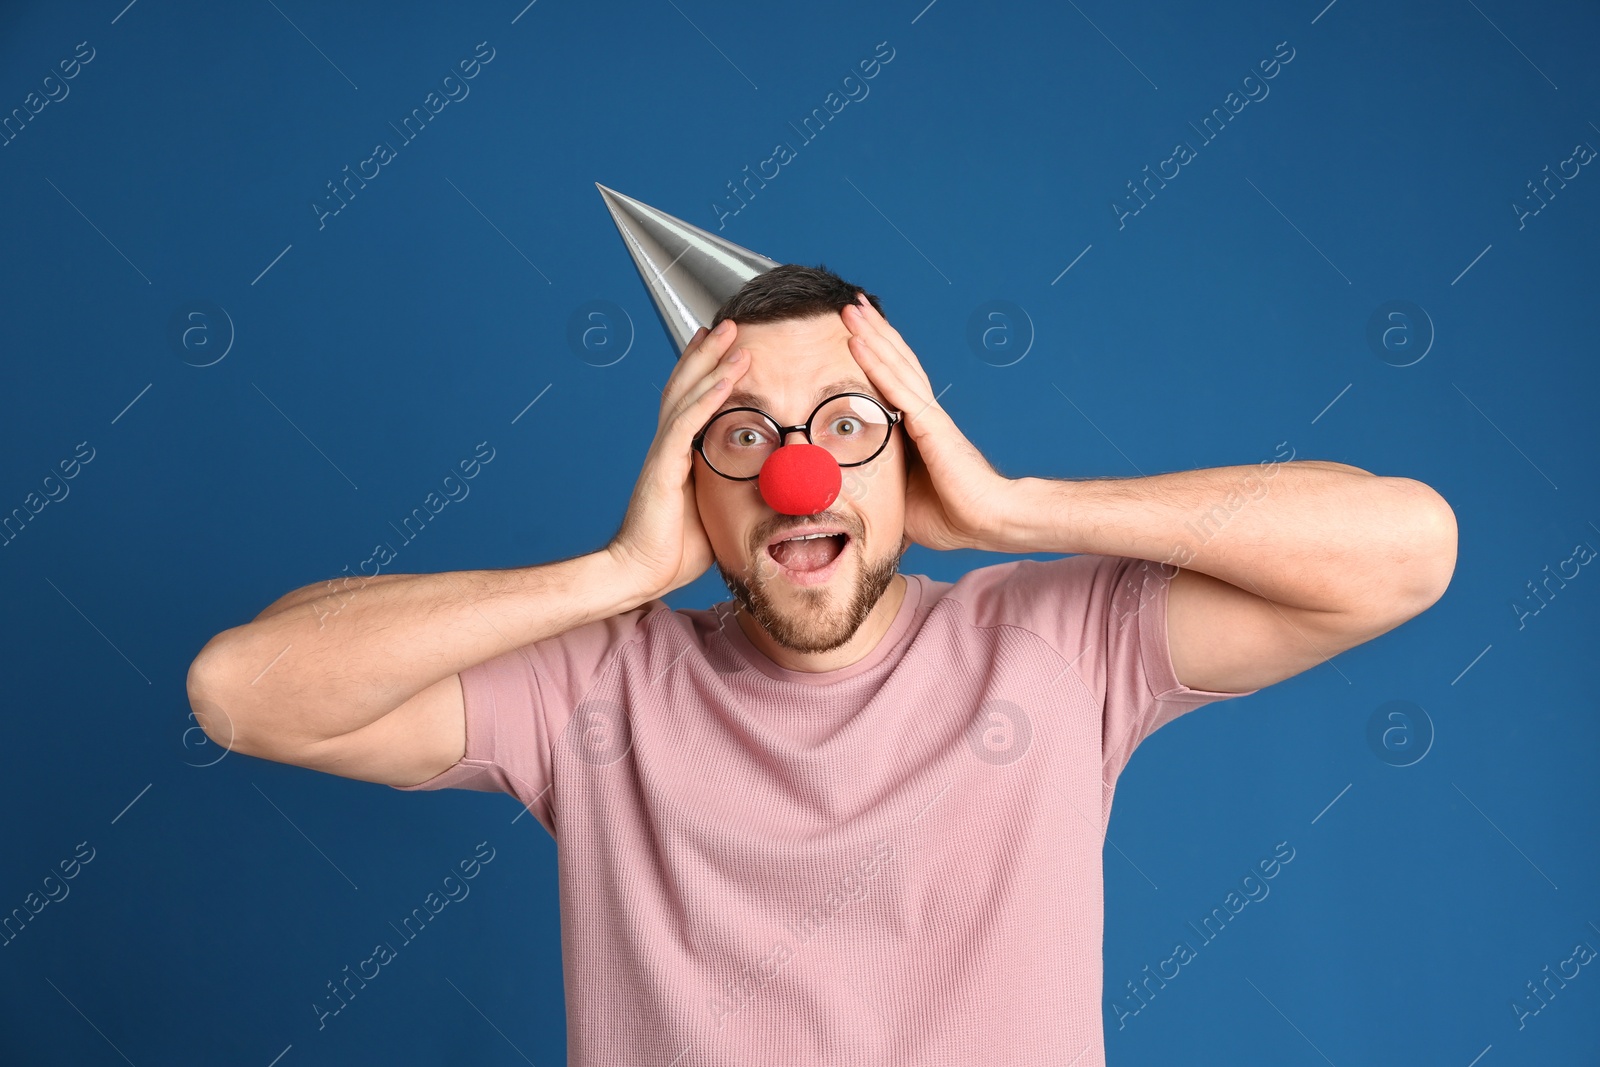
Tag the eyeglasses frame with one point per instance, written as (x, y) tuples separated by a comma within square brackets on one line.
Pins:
[(896, 418)]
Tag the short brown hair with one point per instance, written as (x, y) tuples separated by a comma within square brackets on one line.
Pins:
[(790, 292)]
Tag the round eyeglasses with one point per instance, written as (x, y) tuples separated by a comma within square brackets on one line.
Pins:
[(853, 427)]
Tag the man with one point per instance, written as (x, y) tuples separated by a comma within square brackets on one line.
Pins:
[(851, 816)]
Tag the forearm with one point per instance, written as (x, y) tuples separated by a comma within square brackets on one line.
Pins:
[(319, 664), (325, 599), (1307, 533)]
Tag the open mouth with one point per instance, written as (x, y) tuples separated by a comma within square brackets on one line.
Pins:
[(809, 558)]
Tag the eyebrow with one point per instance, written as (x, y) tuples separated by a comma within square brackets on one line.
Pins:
[(741, 398)]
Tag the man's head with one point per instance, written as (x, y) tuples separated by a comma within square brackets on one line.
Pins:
[(788, 318)]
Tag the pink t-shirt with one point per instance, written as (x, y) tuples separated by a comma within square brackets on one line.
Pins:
[(894, 863)]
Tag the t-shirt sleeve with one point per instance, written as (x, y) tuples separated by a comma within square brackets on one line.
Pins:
[(518, 703), (1107, 616), (1143, 692)]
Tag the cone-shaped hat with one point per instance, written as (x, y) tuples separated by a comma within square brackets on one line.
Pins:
[(690, 273)]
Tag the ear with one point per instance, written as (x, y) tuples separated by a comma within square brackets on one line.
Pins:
[(909, 448)]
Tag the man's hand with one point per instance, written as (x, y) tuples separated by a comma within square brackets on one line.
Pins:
[(954, 498), (661, 541)]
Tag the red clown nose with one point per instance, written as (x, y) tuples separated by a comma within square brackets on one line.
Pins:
[(800, 479)]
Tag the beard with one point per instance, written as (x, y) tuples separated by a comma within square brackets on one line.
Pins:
[(809, 619)]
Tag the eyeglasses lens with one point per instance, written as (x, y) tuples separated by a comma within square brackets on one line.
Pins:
[(851, 428)]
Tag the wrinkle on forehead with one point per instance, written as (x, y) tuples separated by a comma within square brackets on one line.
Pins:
[(812, 344), (744, 398)]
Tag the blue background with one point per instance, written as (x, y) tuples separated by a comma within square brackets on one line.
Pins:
[(374, 350)]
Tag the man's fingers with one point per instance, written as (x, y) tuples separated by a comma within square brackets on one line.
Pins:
[(694, 341), (884, 344), (699, 356), (873, 319), (877, 327), (707, 343), (707, 392)]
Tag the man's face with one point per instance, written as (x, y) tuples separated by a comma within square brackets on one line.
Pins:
[(789, 363)]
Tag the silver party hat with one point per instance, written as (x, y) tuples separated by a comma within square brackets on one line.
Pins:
[(690, 273)]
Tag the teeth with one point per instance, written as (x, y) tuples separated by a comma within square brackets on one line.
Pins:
[(810, 537)]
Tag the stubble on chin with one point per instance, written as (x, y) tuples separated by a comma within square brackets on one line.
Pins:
[(799, 628)]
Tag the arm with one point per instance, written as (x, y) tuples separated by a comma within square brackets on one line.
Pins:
[(1277, 569), (324, 599), (362, 680), (361, 676)]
